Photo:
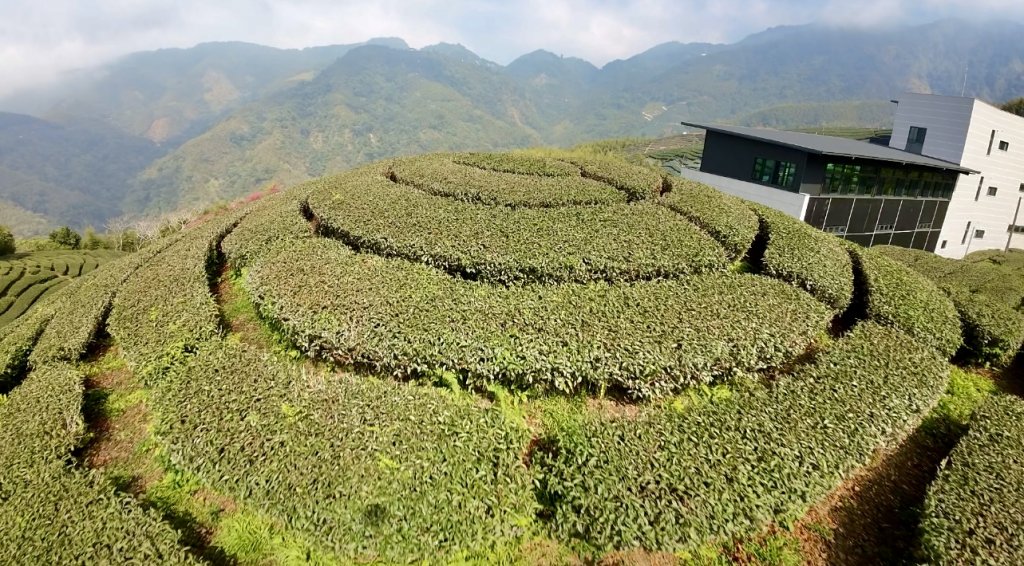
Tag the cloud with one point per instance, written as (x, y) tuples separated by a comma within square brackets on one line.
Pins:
[(41, 40)]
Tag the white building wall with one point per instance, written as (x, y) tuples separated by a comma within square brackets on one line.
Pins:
[(793, 204), (975, 220), (947, 118)]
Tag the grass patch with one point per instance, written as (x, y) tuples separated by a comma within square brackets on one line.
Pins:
[(965, 393)]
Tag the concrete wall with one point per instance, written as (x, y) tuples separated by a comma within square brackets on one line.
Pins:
[(793, 204), (967, 143)]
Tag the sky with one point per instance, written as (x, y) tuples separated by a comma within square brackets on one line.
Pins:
[(41, 39)]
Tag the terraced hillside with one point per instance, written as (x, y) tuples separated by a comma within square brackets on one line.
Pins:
[(27, 278), (468, 358)]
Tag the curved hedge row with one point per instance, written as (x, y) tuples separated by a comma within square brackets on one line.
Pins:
[(650, 338), (81, 311), (993, 330), (808, 258), (54, 514), (165, 308), (520, 163), (370, 471), (906, 300), (438, 175), (17, 343), (672, 480), (974, 509), (276, 218), (726, 218), (579, 244), (638, 182)]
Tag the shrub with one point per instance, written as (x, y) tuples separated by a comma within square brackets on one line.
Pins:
[(520, 163), (639, 182), (808, 258), (55, 514), (649, 338), (369, 470), (438, 175), (165, 308), (6, 241), (973, 510), (276, 218), (726, 218), (66, 238), (906, 300), (985, 288), (566, 244), (16, 344), (674, 479), (992, 331)]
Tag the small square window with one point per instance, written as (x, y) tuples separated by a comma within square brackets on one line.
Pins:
[(979, 234), (992, 191), (1022, 187), (943, 246), (1004, 145)]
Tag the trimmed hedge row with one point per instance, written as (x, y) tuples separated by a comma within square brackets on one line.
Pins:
[(650, 338), (438, 175), (272, 219), (506, 246), (726, 218), (54, 514), (808, 258), (80, 312), (502, 245), (904, 299), (672, 480), (520, 163), (993, 331), (368, 471), (17, 343), (975, 508), (165, 308), (638, 182)]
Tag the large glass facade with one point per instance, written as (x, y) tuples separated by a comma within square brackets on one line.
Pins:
[(869, 180)]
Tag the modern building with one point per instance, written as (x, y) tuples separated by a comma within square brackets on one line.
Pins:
[(985, 211), (867, 193)]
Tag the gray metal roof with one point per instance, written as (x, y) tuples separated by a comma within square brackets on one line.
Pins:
[(828, 145)]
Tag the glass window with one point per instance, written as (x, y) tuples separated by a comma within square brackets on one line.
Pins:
[(772, 172), (979, 234), (1004, 145), (992, 191)]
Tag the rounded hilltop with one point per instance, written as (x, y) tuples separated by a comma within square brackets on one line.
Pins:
[(472, 357)]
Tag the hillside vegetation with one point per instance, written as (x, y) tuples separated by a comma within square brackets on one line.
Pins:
[(156, 131), (27, 278), (470, 358)]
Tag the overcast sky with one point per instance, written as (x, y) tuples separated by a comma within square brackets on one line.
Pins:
[(41, 38)]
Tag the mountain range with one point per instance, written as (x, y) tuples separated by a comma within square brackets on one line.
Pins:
[(162, 129)]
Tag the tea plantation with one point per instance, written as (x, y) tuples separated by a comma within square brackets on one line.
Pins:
[(26, 278), (487, 358)]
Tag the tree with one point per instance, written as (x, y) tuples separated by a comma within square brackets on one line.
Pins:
[(6, 241), (92, 240), (1015, 106), (65, 237)]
